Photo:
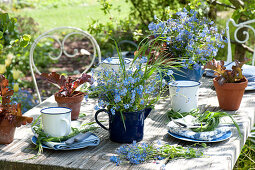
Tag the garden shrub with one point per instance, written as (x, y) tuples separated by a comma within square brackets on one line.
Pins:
[(11, 42), (113, 30), (143, 11)]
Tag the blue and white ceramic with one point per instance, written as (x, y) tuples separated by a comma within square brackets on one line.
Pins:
[(186, 74), (91, 140), (56, 121), (189, 120), (114, 63), (222, 138), (250, 86), (184, 95)]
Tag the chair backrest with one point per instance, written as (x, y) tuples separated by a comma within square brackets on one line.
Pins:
[(245, 24), (51, 35)]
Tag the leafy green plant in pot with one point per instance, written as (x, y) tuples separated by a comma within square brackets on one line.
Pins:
[(229, 84), (67, 96), (10, 114)]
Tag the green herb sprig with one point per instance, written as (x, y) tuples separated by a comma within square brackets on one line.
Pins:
[(212, 119), (43, 137)]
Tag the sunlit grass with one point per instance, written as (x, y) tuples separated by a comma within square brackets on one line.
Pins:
[(246, 159), (78, 15)]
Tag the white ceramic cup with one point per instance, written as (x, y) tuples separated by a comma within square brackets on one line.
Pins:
[(115, 63), (56, 121), (184, 95)]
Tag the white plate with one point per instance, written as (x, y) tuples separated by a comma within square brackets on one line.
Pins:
[(251, 86), (224, 137)]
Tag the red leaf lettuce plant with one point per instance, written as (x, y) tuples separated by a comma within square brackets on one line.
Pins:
[(227, 76), (67, 85), (8, 111)]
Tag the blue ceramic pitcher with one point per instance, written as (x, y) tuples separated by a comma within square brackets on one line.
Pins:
[(185, 74), (134, 122)]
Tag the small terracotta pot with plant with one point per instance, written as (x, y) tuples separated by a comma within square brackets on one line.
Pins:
[(67, 96), (229, 84), (10, 114)]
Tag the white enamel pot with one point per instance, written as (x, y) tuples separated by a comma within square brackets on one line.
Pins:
[(184, 95)]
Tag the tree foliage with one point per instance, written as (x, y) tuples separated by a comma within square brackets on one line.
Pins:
[(8, 35), (144, 10)]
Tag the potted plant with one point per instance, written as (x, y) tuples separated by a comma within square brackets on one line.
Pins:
[(67, 96), (229, 84), (188, 40), (10, 114), (127, 96)]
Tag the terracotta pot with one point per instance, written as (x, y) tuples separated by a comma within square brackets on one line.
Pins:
[(7, 131), (230, 94), (73, 103)]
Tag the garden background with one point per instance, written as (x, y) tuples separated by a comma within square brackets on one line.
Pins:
[(106, 20)]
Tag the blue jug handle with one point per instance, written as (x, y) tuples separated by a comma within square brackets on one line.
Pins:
[(100, 124), (147, 111)]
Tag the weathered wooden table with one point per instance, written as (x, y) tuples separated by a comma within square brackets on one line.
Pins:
[(222, 155)]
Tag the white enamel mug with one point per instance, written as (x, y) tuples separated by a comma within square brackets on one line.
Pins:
[(56, 121), (115, 63), (184, 95)]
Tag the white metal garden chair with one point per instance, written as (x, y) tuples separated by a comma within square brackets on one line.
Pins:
[(245, 24), (51, 34), (229, 57)]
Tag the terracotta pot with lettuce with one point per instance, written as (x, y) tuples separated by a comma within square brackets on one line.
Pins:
[(10, 114), (67, 96)]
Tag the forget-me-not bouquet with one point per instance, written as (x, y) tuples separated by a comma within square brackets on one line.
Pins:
[(129, 89), (188, 38)]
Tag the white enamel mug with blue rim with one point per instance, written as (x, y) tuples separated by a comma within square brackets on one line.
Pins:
[(56, 121), (115, 63), (184, 95)]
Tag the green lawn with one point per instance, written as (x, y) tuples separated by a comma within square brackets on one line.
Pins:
[(78, 15)]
